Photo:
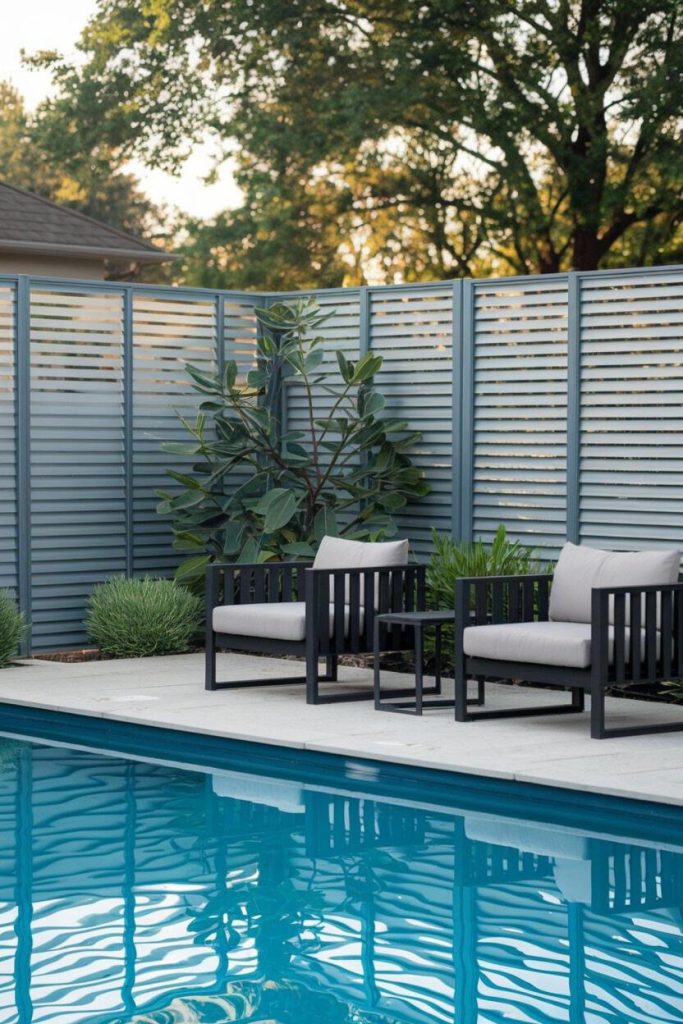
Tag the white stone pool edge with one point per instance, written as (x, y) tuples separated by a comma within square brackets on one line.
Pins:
[(167, 692)]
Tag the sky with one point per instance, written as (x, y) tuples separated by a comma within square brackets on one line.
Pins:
[(55, 25)]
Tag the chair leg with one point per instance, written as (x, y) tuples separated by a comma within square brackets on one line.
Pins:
[(437, 659), (600, 731), (210, 661), (312, 669), (376, 679), (597, 710), (460, 684), (331, 668)]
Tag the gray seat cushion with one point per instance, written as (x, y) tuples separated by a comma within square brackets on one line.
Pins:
[(580, 568), (339, 553), (283, 621), (562, 644)]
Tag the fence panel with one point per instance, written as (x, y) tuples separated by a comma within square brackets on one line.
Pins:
[(78, 519), (519, 429), (170, 330), (239, 344), (411, 328), (631, 454), (8, 442)]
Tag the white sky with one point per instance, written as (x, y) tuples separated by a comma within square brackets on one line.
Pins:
[(32, 25)]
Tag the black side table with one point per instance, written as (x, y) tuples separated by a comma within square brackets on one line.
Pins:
[(418, 621)]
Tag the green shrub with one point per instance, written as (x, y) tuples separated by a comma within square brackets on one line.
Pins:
[(451, 561), (12, 627), (141, 617)]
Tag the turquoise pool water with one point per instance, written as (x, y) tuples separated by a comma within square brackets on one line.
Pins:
[(314, 894)]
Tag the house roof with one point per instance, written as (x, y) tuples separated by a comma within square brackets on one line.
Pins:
[(31, 224)]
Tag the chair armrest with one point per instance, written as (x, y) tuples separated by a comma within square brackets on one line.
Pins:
[(253, 582), (480, 600), (644, 626), (215, 566), (358, 595)]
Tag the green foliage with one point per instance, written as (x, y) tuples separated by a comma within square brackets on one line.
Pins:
[(672, 688), (345, 471), (451, 561), (415, 141), (12, 627), (137, 618)]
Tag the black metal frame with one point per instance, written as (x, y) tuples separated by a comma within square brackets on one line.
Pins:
[(384, 588), (499, 599), (418, 622)]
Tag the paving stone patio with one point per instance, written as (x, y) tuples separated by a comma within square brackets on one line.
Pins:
[(168, 692)]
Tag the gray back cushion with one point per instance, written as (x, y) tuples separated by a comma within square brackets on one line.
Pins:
[(339, 553), (581, 568)]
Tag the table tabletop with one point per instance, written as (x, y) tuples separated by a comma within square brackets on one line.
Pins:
[(427, 618)]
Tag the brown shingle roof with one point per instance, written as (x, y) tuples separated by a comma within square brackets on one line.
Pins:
[(29, 223)]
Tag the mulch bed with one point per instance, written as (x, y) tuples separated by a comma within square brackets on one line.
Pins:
[(87, 654)]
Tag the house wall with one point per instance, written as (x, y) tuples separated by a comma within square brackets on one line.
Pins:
[(52, 266)]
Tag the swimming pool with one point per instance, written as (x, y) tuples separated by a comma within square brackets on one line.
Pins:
[(275, 887)]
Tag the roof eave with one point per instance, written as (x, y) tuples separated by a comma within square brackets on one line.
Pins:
[(95, 252)]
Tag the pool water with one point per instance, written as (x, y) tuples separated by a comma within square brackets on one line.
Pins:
[(149, 893)]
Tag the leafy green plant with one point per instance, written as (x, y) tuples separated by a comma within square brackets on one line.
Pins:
[(259, 489), (451, 561), (136, 618), (12, 627), (672, 689)]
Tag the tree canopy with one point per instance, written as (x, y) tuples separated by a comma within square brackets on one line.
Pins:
[(398, 138)]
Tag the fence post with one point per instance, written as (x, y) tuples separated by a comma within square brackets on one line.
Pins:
[(364, 321), (22, 362), (573, 406), (128, 467), (456, 410), (220, 334), (466, 482)]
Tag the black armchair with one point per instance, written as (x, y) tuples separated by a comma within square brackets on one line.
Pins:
[(291, 608), (503, 631)]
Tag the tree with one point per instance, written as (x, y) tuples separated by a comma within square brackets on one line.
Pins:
[(469, 135), (34, 156), (257, 492)]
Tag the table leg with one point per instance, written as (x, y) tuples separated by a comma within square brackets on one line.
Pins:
[(419, 666), (375, 663), (437, 659)]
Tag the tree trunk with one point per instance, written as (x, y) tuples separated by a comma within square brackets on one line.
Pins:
[(586, 249)]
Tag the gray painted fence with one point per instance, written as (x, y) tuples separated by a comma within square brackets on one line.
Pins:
[(553, 404)]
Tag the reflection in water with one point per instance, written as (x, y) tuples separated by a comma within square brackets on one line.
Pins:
[(132, 892)]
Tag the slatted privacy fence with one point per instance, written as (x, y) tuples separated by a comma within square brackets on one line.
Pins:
[(553, 404), (519, 447), (8, 494), (168, 333), (631, 417), (78, 488), (412, 329)]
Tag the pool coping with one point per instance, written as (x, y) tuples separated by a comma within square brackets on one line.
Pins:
[(552, 752)]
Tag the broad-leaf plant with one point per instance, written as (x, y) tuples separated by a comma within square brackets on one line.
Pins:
[(260, 488)]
